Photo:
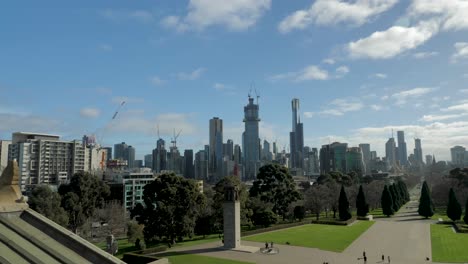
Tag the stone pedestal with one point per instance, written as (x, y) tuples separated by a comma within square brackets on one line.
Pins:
[(232, 224)]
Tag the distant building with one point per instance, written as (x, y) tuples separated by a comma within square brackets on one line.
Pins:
[(133, 184), (402, 153), (390, 152), (160, 156), (138, 164), (311, 162), (45, 159), (189, 171), (373, 155), (458, 155), (366, 156), (250, 140), (339, 155), (237, 154), (327, 160), (418, 154), (296, 137), (129, 155), (201, 165), (109, 152), (229, 149), (354, 161), (149, 161), (119, 151), (266, 153), (429, 160), (216, 148)]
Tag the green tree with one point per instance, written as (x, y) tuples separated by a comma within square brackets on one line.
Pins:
[(465, 218), (343, 205), (395, 198), (387, 202), (170, 208), (81, 197), (361, 204), (299, 212), (134, 231), (454, 210), (275, 185), (47, 202), (426, 207)]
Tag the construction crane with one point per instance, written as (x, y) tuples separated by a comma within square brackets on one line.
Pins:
[(118, 109), (174, 139)]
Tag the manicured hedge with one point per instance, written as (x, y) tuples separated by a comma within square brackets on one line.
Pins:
[(334, 222), (137, 259), (150, 250), (273, 228), (460, 228)]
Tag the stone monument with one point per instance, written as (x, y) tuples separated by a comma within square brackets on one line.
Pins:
[(231, 213)]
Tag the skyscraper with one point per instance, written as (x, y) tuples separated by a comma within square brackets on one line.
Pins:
[(402, 153), (189, 171), (296, 137), (418, 155), (130, 156), (109, 152), (390, 152), (216, 147), (119, 151), (229, 149), (458, 155), (354, 160), (149, 161), (366, 156), (160, 156), (327, 160), (201, 165), (250, 139)]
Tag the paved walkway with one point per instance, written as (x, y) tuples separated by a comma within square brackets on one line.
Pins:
[(405, 237)]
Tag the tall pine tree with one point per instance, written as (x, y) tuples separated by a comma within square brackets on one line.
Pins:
[(395, 200), (466, 212), (343, 205), (426, 207), (386, 202), (454, 210), (361, 205)]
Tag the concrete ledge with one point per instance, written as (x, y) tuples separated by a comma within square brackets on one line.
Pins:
[(245, 249)]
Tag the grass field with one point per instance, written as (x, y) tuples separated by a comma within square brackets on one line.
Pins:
[(180, 258), (325, 237), (448, 246)]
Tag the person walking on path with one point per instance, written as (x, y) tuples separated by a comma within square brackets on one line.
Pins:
[(383, 258), (364, 254), (271, 244), (266, 245), (388, 259)]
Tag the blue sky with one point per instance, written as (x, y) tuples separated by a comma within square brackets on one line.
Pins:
[(359, 68)]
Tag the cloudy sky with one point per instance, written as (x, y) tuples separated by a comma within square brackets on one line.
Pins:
[(359, 67)]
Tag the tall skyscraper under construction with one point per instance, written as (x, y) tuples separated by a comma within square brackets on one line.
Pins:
[(250, 140)]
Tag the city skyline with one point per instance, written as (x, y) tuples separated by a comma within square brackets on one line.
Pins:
[(69, 78)]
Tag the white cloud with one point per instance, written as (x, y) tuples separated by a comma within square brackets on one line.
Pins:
[(219, 86), (333, 12), (463, 90), (10, 122), (123, 15), (339, 107), (157, 81), (452, 14), (308, 114), (329, 61), (459, 107), (376, 107), (424, 55), (380, 75), (236, 15), (191, 75), (142, 15), (403, 96), (312, 72), (393, 41), (465, 75), (105, 47), (461, 51), (128, 100), (342, 70), (432, 118), (90, 112)]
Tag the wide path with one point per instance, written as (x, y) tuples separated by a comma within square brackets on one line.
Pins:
[(405, 237)]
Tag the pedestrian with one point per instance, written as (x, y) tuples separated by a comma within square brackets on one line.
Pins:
[(388, 259), (271, 244), (266, 245), (364, 254), (383, 258), (365, 259)]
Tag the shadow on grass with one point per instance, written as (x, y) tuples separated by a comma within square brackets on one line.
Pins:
[(189, 252)]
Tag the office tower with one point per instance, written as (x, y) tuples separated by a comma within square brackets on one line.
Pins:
[(160, 156), (366, 156), (339, 155), (45, 159), (402, 153), (189, 171), (429, 160), (138, 164), (266, 153), (296, 137), (201, 165), (327, 160), (354, 161), (216, 147), (418, 155), (130, 156), (237, 154), (458, 155), (149, 161), (373, 155), (4, 144), (109, 152), (229, 151), (311, 163), (275, 150), (119, 151), (390, 152), (250, 140), (89, 140)]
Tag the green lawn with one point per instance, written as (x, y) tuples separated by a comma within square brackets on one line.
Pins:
[(448, 246), (325, 237), (181, 258)]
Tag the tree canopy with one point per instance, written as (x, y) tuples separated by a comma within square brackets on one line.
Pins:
[(47, 202), (361, 204), (454, 210), (343, 206), (170, 208), (426, 208), (387, 202), (275, 185)]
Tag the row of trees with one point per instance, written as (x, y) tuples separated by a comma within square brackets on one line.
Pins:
[(394, 197)]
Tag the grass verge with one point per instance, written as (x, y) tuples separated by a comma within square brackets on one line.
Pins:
[(448, 246)]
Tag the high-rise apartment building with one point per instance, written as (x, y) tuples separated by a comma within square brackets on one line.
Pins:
[(149, 161), (402, 152), (237, 154), (327, 160), (418, 154), (129, 155), (189, 171), (119, 151), (45, 159), (201, 165), (216, 147), (160, 156), (296, 137), (250, 140), (458, 155)]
